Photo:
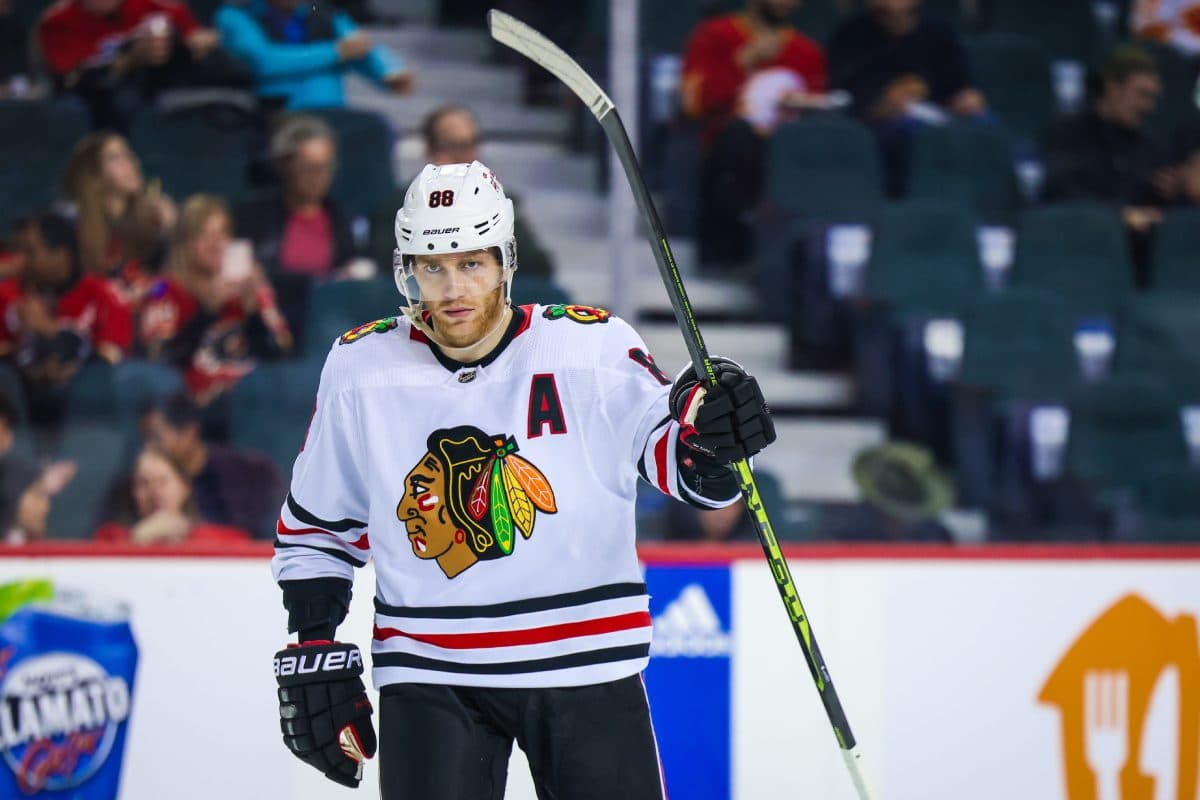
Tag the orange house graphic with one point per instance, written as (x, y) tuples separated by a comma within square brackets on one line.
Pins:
[(1130, 663)]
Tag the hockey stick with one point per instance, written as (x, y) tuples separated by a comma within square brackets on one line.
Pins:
[(525, 40)]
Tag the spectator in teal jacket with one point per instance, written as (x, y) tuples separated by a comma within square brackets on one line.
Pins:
[(299, 51)]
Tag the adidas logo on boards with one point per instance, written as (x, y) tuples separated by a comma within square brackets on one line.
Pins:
[(689, 627)]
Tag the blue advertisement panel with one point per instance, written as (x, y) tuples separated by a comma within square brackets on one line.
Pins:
[(66, 678), (688, 677)]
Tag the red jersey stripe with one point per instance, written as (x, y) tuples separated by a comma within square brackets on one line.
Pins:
[(361, 543), (548, 633), (660, 462)]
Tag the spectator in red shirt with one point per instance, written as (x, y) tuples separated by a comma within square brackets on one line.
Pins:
[(54, 316), (123, 221), (214, 313), (741, 73), (159, 508), (300, 233), (118, 54)]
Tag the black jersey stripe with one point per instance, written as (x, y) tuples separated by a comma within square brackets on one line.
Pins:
[(308, 518), (585, 659), (338, 554), (550, 602)]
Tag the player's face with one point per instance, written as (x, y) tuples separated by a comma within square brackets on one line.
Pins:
[(423, 510), (463, 292)]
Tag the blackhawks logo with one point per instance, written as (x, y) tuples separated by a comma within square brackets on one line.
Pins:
[(467, 497), (378, 326), (585, 315)]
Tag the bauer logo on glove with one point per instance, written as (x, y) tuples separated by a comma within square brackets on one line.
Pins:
[(726, 422), (324, 711)]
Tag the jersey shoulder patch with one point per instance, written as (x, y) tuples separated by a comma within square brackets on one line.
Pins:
[(378, 326), (584, 315)]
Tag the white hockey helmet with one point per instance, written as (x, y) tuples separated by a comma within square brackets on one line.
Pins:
[(453, 208)]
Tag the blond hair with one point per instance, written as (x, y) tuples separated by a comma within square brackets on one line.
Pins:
[(83, 184), (196, 211)]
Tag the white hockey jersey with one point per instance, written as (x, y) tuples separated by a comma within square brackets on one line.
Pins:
[(497, 500)]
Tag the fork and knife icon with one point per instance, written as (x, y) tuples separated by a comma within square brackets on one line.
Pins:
[(1107, 730)]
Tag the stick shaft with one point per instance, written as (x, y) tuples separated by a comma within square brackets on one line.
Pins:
[(533, 45)]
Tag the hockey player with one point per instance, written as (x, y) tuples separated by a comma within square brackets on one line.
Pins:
[(487, 456)]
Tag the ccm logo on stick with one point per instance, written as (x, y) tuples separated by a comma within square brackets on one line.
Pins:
[(318, 662)]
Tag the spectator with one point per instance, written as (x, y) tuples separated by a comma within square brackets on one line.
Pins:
[(903, 70), (230, 487), (1104, 153), (452, 136), (161, 508), (214, 313), (55, 316), (26, 492), (299, 51), (903, 496), (299, 232), (1172, 22), (118, 55), (730, 64), (8, 424), (14, 55), (123, 222)]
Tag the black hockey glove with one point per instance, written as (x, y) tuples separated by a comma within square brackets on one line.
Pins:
[(324, 710), (726, 422)]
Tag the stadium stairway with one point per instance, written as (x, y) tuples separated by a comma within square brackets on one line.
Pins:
[(818, 435)]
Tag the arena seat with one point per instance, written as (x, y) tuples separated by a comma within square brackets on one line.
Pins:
[(364, 179), (1013, 72), (1077, 250), (924, 259), (271, 409), (38, 136), (98, 451), (966, 162), (1176, 261)]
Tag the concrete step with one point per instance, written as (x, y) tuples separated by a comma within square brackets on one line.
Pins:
[(497, 118), (568, 211), (759, 348), (466, 82), (419, 43), (525, 167), (812, 457)]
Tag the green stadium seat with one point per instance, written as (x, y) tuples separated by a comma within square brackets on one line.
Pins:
[(272, 406), (824, 168), (1077, 250), (1170, 507), (1122, 430), (968, 163), (364, 179), (12, 386), (528, 290), (38, 136), (1019, 343), (200, 150), (92, 395), (338, 306), (924, 259), (1013, 72), (98, 452), (1176, 262), (1067, 28), (1158, 334)]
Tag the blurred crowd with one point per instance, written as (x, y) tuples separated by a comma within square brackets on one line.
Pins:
[(983, 209)]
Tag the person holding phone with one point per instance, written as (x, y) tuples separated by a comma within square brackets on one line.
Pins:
[(214, 313)]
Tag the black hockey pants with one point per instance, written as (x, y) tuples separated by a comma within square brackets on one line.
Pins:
[(453, 742)]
